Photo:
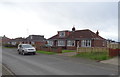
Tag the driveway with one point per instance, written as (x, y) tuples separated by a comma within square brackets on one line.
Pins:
[(42, 64)]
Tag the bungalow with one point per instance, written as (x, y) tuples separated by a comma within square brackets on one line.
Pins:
[(36, 40), (16, 41), (77, 38), (31, 39), (5, 40), (113, 44)]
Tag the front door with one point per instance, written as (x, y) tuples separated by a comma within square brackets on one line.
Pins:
[(55, 43), (77, 43)]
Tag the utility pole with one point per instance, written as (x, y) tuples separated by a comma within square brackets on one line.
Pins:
[(27, 34)]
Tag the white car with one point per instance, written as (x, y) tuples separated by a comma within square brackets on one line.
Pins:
[(26, 49)]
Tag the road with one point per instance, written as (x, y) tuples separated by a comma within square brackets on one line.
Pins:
[(42, 64)]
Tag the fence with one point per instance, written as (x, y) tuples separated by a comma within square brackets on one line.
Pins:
[(113, 45), (114, 52), (50, 49), (92, 49), (111, 52)]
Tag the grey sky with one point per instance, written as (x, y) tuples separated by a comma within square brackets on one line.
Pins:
[(18, 19)]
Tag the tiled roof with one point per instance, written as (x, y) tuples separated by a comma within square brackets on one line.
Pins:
[(35, 38), (79, 34)]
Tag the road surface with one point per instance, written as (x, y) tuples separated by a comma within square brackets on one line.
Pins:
[(42, 64)]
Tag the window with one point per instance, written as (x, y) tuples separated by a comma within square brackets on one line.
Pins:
[(61, 43), (86, 43), (62, 34), (103, 43), (20, 46), (70, 43), (8, 42), (32, 43), (50, 43), (13, 43), (31, 37)]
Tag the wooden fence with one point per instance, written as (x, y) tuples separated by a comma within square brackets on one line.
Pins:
[(92, 49), (113, 45), (111, 52)]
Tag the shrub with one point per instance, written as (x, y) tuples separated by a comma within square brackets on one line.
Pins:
[(9, 45)]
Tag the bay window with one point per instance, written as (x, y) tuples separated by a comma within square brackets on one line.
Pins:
[(50, 43), (86, 43), (70, 43), (61, 43)]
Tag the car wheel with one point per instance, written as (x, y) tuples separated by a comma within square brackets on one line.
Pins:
[(23, 53), (18, 52), (34, 53)]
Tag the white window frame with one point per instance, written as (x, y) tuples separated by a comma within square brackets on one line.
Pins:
[(8, 42), (13, 43), (33, 43), (61, 34), (86, 43), (50, 43), (61, 43), (70, 43)]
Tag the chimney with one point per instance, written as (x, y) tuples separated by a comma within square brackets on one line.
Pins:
[(97, 33), (73, 29)]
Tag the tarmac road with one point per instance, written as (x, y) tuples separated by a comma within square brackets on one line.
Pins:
[(42, 64)]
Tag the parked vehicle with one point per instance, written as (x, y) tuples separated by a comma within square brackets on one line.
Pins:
[(26, 49)]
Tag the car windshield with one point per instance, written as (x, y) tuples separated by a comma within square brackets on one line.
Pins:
[(26, 46)]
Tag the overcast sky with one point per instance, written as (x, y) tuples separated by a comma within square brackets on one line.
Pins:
[(20, 19)]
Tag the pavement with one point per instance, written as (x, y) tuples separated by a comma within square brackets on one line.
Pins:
[(6, 71), (113, 61), (42, 64)]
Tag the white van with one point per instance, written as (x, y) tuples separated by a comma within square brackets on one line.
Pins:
[(26, 49)]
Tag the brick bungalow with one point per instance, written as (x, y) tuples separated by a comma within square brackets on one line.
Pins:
[(31, 39), (77, 38), (5, 40), (36, 40), (16, 41)]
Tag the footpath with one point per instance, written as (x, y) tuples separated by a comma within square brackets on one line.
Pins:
[(6, 71)]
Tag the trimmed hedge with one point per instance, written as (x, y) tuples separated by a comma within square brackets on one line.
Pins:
[(9, 45)]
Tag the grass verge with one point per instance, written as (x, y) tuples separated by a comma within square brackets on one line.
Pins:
[(65, 51), (46, 52), (94, 55)]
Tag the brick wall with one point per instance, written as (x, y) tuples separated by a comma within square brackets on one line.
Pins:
[(99, 43), (50, 49), (71, 48)]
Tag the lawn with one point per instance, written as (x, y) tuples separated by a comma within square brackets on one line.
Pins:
[(46, 52), (94, 55), (65, 51)]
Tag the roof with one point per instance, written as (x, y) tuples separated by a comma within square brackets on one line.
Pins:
[(36, 38), (79, 34), (17, 39)]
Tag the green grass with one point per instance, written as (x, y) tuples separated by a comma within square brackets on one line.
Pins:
[(94, 55), (65, 51), (46, 52)]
